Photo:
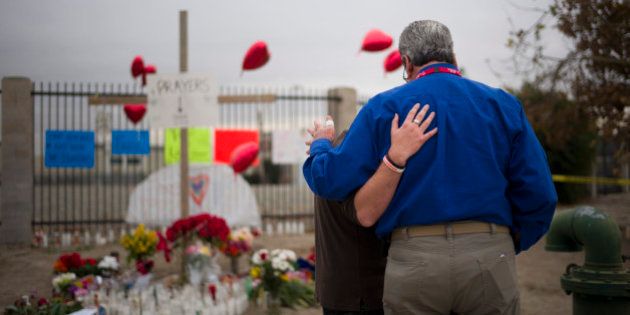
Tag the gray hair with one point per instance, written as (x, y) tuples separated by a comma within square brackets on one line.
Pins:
[(425, 41)]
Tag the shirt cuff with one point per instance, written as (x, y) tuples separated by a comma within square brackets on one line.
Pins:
[(320, 145)]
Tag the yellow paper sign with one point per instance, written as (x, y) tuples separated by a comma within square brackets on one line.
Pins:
[(199, 146)]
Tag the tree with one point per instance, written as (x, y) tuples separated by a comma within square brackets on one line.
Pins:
[(596, 71), (565, 131)]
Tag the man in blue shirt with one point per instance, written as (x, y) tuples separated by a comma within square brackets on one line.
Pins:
[(476, 194)]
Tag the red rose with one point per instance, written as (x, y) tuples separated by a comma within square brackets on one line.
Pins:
[(213, 291), (71, 261), (144, 266), (256, 232), (163, 246), (42, 302), (91, 261)]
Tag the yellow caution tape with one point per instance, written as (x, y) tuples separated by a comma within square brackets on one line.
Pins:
[(586, 179)]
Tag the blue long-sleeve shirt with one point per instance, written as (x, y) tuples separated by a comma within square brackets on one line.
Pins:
[(484, 164)]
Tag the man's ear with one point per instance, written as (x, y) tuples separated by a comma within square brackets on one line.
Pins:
[(407, 65)]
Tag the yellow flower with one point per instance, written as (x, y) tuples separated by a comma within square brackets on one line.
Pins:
[(204, 250), (152, 237), (255, 272), (284, 277)]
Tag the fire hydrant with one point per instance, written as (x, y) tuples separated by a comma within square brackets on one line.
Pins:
[(602, 284)]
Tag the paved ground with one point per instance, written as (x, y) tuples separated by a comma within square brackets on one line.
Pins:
[(25, 270)]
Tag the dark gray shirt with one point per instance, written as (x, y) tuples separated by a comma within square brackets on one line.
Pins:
[(350, 260)]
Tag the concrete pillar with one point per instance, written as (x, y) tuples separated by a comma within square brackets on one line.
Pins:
[(17, 161), (344, 110)]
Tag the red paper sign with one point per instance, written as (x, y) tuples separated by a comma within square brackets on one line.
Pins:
[(226, 140)]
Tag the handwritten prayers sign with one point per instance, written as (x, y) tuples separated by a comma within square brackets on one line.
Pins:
[(128, 142), (182, 100), (72, 149)]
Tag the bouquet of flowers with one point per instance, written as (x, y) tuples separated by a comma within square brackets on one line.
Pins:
[(140, 246), (42, 306), (201, 263), (206, 227), (68, 286), (62, 282), (108, 266), (276, 273), (239, 242), (75, 264)]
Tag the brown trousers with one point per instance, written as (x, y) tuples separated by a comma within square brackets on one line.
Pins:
[(464, 274)]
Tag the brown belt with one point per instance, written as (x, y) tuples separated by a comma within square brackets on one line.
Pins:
[(461, 227)]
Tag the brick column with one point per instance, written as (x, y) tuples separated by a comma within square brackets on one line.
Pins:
[(343, 111), (17, 161)]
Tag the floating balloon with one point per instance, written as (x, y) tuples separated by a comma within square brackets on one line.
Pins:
[(257, 56), (376, 40), (135, 112), (138, 68), (150, 69), (392, 61), (243, 156)]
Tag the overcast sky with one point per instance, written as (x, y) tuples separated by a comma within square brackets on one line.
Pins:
[(313, 44)]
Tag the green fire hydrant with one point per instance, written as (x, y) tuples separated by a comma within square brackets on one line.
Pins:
[(601, 285)]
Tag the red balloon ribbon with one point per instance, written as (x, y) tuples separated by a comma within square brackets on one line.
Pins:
[(376, 40), (135, 112), (256, 56)]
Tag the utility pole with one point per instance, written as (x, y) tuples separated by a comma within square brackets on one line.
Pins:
[(183, 160)]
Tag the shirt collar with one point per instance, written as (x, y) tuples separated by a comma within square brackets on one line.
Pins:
[(440, 64)]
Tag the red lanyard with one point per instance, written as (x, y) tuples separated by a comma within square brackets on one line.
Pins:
[(439, 70)]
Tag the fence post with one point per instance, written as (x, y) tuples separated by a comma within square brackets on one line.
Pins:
[(344, 110), (17, 161)]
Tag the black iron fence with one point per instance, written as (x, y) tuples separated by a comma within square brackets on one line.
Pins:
[(73, 199)]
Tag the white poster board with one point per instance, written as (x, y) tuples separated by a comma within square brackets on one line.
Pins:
[(213, 189), (288, 146), (182, 100)]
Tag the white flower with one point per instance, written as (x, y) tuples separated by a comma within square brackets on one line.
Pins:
[(284, 254), (108, 262), (63, 279), (281, 265), (243, 234), (260, 256)]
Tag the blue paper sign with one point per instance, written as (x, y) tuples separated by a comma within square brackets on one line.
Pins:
[(69, 149), (126, 142)]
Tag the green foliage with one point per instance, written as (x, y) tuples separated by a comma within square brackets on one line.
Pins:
[(596, 69), (294, 293), (565, 131), (55, 307)]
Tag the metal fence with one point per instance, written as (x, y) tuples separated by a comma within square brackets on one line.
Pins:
[(69, 199)]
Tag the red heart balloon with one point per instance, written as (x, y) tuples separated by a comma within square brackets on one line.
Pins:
[(135, 112), (392, 61), (150, 69), (376, 40), (243, 156), (137, 66), (257, 56)]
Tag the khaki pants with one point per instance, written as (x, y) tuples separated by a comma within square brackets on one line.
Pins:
[(464, 274)]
